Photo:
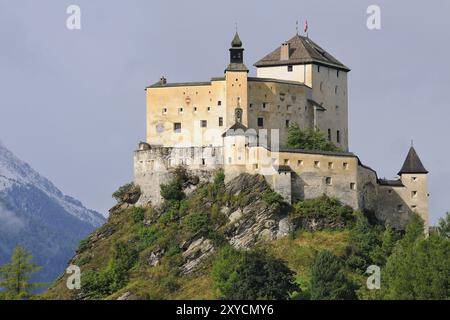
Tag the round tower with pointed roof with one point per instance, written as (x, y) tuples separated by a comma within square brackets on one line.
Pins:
[(414, 177)]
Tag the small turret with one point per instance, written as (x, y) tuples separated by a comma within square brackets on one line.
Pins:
[(414, 177)]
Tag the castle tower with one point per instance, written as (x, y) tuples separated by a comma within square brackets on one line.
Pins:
[(414, 177), (302, 60), (236, 83)]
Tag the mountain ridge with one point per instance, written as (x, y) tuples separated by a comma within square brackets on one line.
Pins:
[(34, 213)]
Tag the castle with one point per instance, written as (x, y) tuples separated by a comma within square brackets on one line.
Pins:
[(240, 124)]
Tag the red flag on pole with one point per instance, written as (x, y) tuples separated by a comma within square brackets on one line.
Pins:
[(306, 26)]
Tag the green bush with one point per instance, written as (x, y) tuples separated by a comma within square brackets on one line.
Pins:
[(96, 285), (148, 235), (219, 179), (137, 214), (122, 191), (198, 223), (308, 139), (252, 275), (271, 197), (172, 191), (83, 245), (323, 207)]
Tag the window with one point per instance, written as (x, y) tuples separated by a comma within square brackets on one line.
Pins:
[(177, 127), (264, 105), (220, 122), (195, 109), (321, 86), (318, 68), (336, 90), (338, 136), (345, 166), (400, 207), (414, 179), (203, 123), (260, 122), (180, 110), (413, 207), (329, 134), (203, 162), (219, 103), (250, 105), (316, 164), (289, 68), (288, 108), (164, 110), (287, 123), (328, 181), (300, 162), (286, 161), (352, 186), (337, 108), (413, 194), (330, 165), (337, 73)]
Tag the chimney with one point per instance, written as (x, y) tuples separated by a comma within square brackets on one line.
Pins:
[(163, 80), (284, 55)]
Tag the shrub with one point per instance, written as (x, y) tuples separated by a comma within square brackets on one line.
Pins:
[(271, 197), (83, 245), (148, 235), (97, 285), (198, 223), (137, 214), (308, 139), (252, 275), (219, 179), (325, 208), (172, 191), (118, 195)]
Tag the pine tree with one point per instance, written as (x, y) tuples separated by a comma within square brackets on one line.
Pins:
[(328, 281), (419, 267), (15, 275), (444, 226)]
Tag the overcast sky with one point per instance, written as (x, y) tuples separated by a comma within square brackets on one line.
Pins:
[(72, 103)]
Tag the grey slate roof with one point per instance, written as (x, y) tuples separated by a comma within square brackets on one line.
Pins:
[(412, 163), (238, 129), (302, 50), (390, 183)]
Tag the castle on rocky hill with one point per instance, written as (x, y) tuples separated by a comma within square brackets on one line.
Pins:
[(240, 124)]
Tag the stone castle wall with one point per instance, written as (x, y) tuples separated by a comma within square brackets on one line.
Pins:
[(296, 175)]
